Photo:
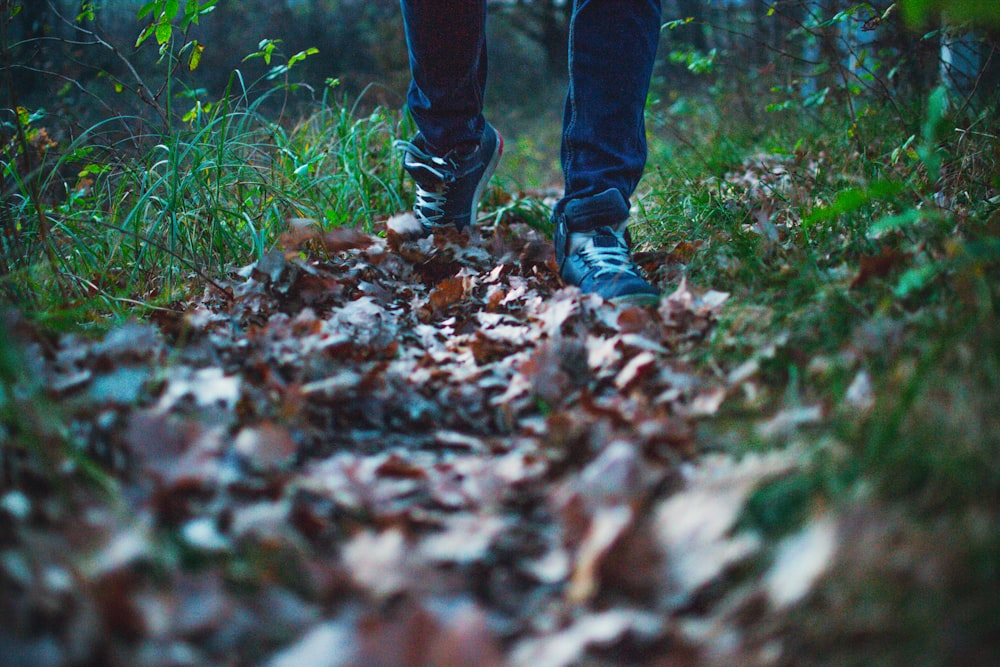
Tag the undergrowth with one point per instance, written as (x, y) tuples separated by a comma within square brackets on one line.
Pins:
[(864, 263), (136, 222)]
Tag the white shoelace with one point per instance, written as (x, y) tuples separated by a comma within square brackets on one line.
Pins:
[(429, 207), (609, 260)]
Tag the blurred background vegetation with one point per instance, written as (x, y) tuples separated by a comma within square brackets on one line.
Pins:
[(77, 60)]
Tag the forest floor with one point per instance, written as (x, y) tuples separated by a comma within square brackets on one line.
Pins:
[(362, 450)]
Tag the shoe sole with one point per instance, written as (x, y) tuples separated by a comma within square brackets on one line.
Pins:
[(636, 299), (491, 167)]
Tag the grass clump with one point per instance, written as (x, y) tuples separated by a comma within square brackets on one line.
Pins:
[(136, 219)]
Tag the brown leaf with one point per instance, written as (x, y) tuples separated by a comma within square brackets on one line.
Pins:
[(878, 266), (555, 369), (447, 292), (536, 253), (683, 252), (116, 597), (637, 321), (638, 367), (693, 526), (453, 636), (345, 238), (606, 526), (266, 447), (330, 644), (159, 441), (568, 646), (466, 640), (303, 231), (398, 467)]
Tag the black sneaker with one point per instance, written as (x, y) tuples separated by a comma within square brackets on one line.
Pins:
[(598, 260), (449, 187)]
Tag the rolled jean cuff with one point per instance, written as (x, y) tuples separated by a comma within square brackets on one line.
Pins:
[(606, 209)]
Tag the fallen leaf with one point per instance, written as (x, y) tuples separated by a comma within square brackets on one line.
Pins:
[(606, 526), (800, 560), (270, 268), (693, 526), (202, 534), (405, 225), (569, 646), (787, 421), (132, 341), (207, 386), (329, 644), (860, 394), (878, 266), (705, 404), (266, 447), (465, 539), (379, 562), (446, 293), (638, 366)]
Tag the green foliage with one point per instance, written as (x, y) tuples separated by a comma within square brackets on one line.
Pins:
[(919, 12), (852, 199), (863, 259), (265, 51), (163, 14), (213, 196), (934, 125), (695, 61), (139, 225)]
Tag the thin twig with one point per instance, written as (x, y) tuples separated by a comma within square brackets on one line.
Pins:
[(144, 92)]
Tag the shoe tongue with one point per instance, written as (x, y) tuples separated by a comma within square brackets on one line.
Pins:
[(602, 237), (430, 182), (605, 241), (429, 177)]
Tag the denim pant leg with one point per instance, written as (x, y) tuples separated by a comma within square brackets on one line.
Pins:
[(612, 46), (447, 48)]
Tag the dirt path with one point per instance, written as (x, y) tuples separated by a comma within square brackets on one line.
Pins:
[(388, 453)]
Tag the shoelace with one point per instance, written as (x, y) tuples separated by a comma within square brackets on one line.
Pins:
[(429, 207), (614, 260)]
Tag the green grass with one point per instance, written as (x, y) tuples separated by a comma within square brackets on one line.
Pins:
[(136, 222), (858, 261)]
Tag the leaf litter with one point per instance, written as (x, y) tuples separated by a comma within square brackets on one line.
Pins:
[(377, 451)]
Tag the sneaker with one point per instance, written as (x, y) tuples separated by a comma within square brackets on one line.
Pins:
[(598, 260), (449, 187)]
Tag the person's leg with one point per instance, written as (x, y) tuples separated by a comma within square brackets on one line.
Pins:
[(447, 48), (456, 151), (612, 47)]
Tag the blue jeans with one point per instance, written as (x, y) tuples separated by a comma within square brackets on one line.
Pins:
[(612, 46)]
